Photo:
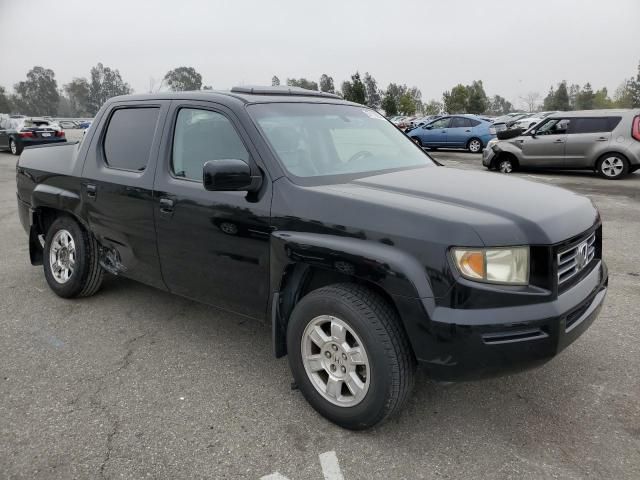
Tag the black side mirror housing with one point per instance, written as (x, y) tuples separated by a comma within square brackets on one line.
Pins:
[(229, 175)]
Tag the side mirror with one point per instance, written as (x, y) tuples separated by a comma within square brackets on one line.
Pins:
[(533, 134), (229, 175), (428, 127)]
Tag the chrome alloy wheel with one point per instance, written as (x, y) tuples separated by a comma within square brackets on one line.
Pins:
[(612, 166), (62, 256), (335, 361), (13, 147), (475, 146)]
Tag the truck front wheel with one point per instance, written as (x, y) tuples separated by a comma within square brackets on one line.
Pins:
[(349, 355), (71, 260)]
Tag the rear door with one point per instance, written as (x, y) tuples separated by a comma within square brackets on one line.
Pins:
[(213, 246), (117, 187), (459, 132), (588, 138), (547, 147)]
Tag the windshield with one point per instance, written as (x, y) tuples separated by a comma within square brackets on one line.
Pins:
[(313, 139)]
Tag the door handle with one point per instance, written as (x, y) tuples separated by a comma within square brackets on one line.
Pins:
[(166, 205), (559, 141), (601, 139), (468, 131), (92, 191)]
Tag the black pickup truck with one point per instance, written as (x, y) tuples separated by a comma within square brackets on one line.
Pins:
[(321, 217)]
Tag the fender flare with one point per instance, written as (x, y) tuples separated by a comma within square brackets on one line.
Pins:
[(392, 270)]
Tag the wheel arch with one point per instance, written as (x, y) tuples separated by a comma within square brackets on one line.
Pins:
[(302, 263), (47, 204)]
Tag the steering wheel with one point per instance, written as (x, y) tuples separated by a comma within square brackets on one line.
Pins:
[(362, 154)]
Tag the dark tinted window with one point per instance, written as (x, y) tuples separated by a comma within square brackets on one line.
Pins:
[(201, 136), (127, 143), (594, 125), (458, 122)]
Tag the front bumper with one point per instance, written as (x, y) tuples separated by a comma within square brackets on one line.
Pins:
[(487, 156), (459, 344)]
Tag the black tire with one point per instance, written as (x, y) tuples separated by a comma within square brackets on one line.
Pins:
[(507, 134), (472, 145), (433, 149), (612, 166), (417, 141), (392, 365), (86, 277), (18, 147)]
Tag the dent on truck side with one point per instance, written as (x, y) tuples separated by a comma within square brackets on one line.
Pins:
[(395, 272)]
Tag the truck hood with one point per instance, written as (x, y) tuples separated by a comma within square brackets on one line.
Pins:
[(502, 210)]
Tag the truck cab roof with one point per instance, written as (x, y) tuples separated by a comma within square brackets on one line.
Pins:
[(245, 94)]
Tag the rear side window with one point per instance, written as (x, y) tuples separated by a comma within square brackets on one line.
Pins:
[(474, 123), (200, 136), (459, 122), (127, 142), (594, 125)]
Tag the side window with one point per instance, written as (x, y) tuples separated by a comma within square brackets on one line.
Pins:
[(594, 125), (200, 136), (554, 126), (441, 123), (129, 136), (458, 122), (474, 123)]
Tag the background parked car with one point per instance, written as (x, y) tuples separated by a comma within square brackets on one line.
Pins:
[(456, 131), (84, 124), (17, 132), (526, 123), (607, 141), (68, 124)]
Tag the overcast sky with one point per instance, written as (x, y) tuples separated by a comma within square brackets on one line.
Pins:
[(514, 46)]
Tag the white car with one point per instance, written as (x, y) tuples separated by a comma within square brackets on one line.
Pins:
[(528, 122)]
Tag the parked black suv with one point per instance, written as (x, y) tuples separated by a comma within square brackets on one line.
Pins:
[(320, 216)]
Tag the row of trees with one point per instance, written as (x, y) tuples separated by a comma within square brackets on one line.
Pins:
[(39, 94)]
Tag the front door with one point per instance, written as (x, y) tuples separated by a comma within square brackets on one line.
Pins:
[(546, 148), (434, 134), (213, 246)]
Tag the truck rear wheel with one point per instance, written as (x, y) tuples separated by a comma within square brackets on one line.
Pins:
[(71, 261), (349, 355)]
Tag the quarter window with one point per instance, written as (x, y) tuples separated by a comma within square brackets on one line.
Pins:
[(201, 136), (127, 143), (594, 125)]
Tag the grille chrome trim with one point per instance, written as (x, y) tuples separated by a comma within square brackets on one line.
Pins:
[(576, 258)]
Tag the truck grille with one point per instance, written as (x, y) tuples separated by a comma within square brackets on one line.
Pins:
[(576, 258)]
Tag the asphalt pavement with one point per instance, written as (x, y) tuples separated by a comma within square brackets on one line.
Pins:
[(137, 383)]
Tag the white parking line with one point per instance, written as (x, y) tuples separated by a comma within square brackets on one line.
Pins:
[(328, 462), (274, 476), (330, 466)]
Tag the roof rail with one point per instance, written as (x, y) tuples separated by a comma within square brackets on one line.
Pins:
[(282, 90)]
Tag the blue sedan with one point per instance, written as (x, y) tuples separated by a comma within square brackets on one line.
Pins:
[(456, 131)]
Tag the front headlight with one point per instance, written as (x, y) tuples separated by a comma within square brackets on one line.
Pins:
[(508, 265)]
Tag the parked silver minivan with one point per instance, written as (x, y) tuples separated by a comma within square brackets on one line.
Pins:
[(607, 141)]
